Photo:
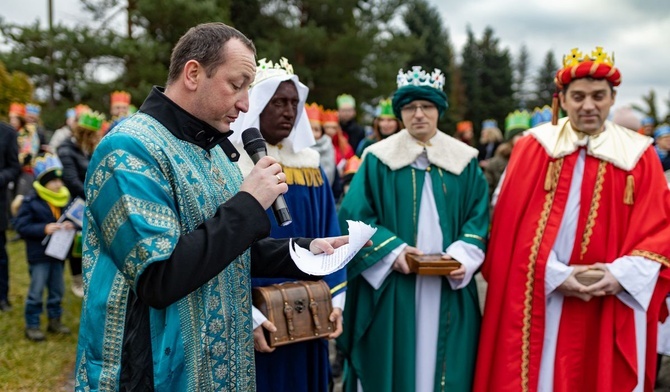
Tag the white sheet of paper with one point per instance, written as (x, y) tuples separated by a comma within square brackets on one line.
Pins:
[(323, 264), (60, 243)]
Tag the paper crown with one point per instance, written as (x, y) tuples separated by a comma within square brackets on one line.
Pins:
[(385, 109), (120, 98), (597, 65), (33, 109), (345, 101), (489, 123), (314, 111), (662, 130), (267, 69), (352, 165), (463, 126), (540, 116), (81, 109), (648, 120), (516, 122), (45, 164), (91, 120), (17, 109), (330, 116), (419, 77)]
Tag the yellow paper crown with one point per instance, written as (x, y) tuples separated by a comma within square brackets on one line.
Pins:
[(575, 57), (267, 69)]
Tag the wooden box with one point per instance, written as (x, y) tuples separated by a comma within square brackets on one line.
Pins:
[(300, 311), (431, 264)]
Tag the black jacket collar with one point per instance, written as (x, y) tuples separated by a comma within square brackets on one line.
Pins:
[(184, 125)]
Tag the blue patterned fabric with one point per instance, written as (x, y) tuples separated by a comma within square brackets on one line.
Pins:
[(144, 189)]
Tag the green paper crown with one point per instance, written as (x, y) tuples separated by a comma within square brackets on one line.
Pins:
[(516, 122), (91, 121), (345, 100), (385, 109)]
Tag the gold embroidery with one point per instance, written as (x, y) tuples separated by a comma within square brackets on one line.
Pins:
[(383, 244), (593, 210), (306, 176), (628, 196), (475, 236), (338, 287), (532, 259), (652, 256)]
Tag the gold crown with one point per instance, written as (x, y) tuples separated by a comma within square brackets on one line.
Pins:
[(419, 77), (597, 56), (268, 69)]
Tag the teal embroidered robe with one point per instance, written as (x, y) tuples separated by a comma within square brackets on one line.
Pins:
[(144, 189), (379, 331)]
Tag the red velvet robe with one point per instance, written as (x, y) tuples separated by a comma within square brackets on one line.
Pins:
[(596, 347)]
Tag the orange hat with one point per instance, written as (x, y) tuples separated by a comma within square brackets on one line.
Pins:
[(329, 117), (81, 109), (120, 98), (352, 165), (464, 126), (18, 109), (599, 65), (314, 112)]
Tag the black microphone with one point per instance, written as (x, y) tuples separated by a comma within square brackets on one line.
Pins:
[(254, 145)]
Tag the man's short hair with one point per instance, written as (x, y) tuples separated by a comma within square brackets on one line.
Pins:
[(204, 43), (566, 86)]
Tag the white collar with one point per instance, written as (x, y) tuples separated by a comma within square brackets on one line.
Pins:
[(401, 149), (617, 145)]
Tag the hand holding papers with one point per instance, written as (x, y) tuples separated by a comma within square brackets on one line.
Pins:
[(323, 264)]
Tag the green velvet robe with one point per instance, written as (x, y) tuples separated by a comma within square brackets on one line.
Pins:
[(379, 332)]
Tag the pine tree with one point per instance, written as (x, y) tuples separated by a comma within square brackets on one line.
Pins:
[(521, 94), (544, 82)]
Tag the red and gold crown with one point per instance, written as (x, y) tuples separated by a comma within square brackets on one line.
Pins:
[(314, 112), (330, 116), (17, 109), (597, 65), (120, 98)]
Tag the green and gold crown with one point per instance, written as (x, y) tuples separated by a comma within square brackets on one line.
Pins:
[(516, 122), (385, 109), (267, 69), (91, 120)]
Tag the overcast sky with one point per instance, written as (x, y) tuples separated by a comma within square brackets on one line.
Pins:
[(632, 29)]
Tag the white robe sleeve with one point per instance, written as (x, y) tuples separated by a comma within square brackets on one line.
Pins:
[(556, 273), (258, 317), (339, 300), (470, 256), (637, 275), (376, 274)]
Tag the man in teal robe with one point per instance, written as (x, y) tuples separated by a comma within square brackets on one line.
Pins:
[(425, 193), (172, 233)]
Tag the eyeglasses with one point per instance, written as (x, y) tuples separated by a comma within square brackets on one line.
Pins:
[(425, 108)]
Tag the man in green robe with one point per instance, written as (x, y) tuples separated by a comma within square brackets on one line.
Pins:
[(425, 193)]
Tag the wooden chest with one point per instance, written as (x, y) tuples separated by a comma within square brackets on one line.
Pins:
[(300, 311)]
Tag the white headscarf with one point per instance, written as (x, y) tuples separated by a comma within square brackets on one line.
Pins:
[(259, 95)]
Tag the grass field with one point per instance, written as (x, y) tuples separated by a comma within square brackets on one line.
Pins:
[(26, 365)]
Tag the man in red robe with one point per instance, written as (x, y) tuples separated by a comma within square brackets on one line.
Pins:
[(579, 194)]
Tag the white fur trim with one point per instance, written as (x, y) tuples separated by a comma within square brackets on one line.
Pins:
[(401, 149)]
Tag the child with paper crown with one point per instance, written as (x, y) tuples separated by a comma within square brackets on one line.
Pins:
[(37, 218)]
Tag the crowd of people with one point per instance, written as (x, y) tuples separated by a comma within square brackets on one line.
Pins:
[(178, 230)]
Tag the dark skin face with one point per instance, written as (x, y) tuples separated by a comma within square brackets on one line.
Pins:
[(279, 115)]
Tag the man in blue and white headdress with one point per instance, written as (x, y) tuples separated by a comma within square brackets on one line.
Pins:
[(276, 106)]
